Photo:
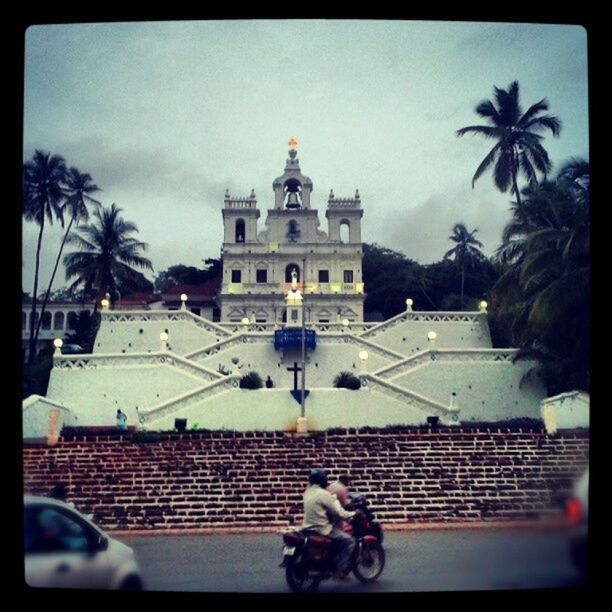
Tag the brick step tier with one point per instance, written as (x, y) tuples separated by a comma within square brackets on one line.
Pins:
[(223, 479)]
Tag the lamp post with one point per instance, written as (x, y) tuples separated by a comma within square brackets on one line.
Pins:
[(345, 324), (409, 303), (245, 323), (58, 343), (164, 341), (431, 336), (105, 304), (183, 301), (483, 306), (363, 361)]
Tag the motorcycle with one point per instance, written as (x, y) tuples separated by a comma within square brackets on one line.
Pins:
[(309, 558), (358, 502)]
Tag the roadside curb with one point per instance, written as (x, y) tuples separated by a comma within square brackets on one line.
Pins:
[(547, 524)]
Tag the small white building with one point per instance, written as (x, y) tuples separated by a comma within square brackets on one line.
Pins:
[(568, 410)]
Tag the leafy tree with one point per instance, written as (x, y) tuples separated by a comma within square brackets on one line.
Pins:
[(466, 251), (108, 255), (85, 329), (78, 186), (187, 275), (518, 148), (43, 195)]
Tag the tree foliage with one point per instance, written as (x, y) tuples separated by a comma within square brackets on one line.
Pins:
[(187, 275)]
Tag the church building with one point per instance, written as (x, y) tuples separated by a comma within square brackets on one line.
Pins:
[(258, 266)]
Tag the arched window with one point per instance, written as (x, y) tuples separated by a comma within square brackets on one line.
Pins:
[(345, 231), (288, 271), (240, 230), (293, 198), (72, 320), (58, 321), (46, 320)]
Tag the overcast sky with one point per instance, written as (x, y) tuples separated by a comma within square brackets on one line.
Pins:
[(165, 116)]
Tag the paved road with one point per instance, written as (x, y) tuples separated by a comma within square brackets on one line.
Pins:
[(423, 560)]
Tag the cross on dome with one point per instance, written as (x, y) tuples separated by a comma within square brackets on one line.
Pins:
[(292, 144)]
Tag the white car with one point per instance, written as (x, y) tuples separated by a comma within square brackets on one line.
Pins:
[(64, 549)]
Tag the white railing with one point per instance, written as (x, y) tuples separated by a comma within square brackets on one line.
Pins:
[(360, 341), (173, 405), (433, 316), (234, 340), (129, 316), (407, 364), (131, 360), (448, 414), (354, 328)]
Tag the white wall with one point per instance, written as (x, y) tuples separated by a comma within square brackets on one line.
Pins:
[(94, 394), (324, 362), (125, 336), (276, 409), (486, 391), (410, 337)]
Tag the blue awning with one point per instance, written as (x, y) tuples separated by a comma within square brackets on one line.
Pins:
[(292, 338)]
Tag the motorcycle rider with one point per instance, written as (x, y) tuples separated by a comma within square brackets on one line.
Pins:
[(321, 510)]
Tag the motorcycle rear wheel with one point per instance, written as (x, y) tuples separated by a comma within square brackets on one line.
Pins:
[(298, 579), (369, 563)]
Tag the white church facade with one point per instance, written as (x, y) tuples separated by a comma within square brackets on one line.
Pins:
[(161, 366), (257, 266)]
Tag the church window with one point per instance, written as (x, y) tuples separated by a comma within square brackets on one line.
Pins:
[(262, 276), (324, 276), (348, 276), (240, 230), (236, 276), (58, 322), (344, 232)]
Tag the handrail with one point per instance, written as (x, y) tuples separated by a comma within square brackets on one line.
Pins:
[(425, 315), (449, 413), (178, 402), (469, 354), (112, 359), (161, 315)]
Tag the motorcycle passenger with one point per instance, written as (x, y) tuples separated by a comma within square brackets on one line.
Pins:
[(339, 488), (321, 510)]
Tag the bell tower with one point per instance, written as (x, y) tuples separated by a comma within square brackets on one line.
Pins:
[(292, 190)]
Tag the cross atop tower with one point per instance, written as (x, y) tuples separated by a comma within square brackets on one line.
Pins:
[(292, 144)]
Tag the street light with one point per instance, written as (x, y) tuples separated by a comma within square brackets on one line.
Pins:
[(245, 321), (58, 343), (105, 304), (431, 336), (183, 300), (409, 303), (363, 358), (345, 323), (483, 306), (164, 341)]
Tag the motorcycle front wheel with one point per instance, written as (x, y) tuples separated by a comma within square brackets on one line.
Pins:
[(369, 562), (298, 578)]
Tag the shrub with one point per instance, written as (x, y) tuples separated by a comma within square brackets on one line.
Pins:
[(346, 380), (252, 380)]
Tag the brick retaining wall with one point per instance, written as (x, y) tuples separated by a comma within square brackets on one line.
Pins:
[(233, 479)]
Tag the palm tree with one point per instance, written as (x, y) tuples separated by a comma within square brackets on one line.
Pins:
[(467, 250), (43, 194), (107, 256), (78, 186), (544, 290), (518, 147)]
